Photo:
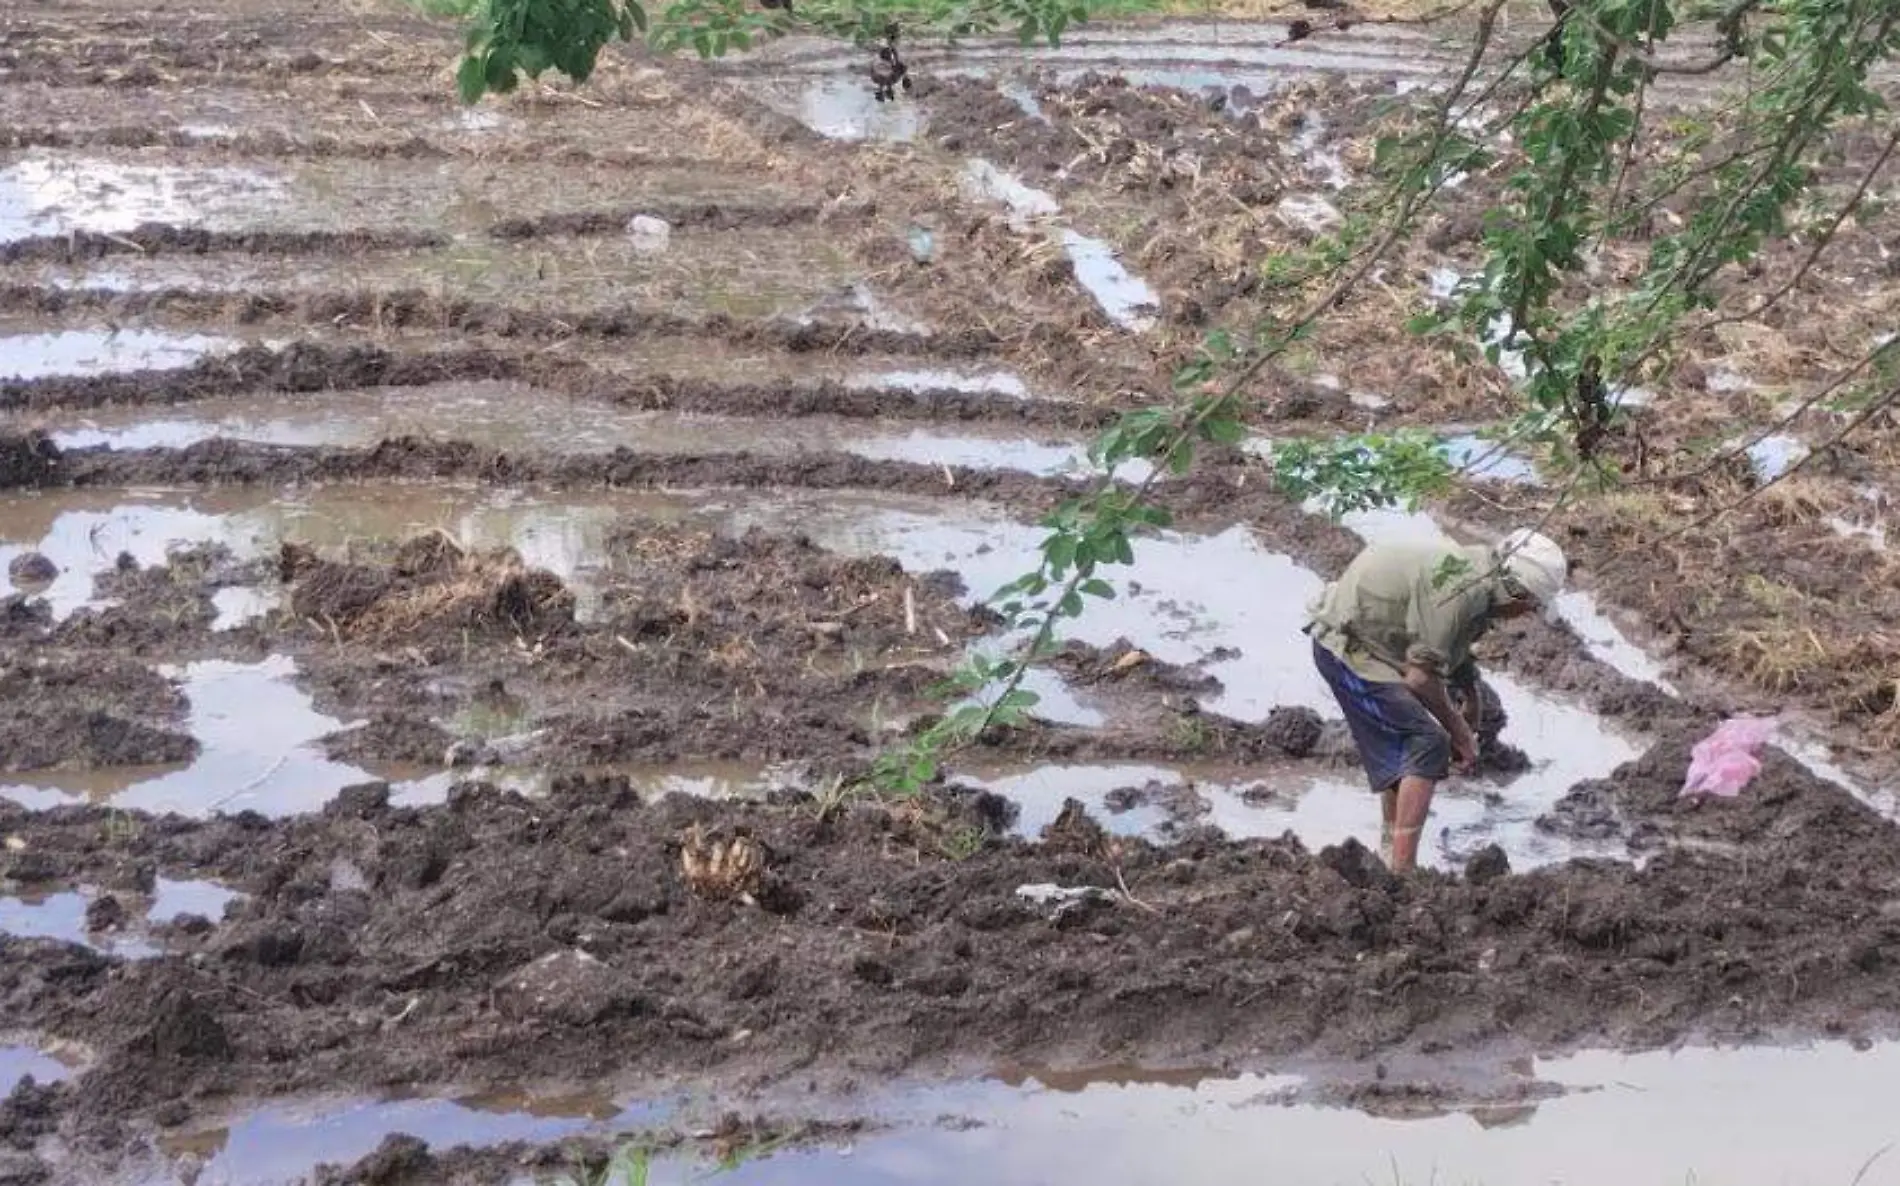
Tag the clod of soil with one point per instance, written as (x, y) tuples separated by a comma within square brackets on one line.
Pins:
[(28, 460), (32, 568), (73, 711)]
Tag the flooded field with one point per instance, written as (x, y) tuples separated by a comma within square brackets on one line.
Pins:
[(426, 532)]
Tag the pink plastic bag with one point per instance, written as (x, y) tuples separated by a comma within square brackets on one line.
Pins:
[(1725, 761)]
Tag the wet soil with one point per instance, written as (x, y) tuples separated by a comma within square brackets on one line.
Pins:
[(65, 712), (512, 937), (500, 936)]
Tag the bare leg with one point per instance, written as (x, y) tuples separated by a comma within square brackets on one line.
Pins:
[(1388, 811), (1414, 804)]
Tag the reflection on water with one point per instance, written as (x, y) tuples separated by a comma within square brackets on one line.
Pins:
[(1695, 1116), (258, 734), (99, 352), (285, 1142), (58, 193)]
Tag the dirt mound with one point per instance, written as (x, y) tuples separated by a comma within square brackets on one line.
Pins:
[(27, 460), (564, 937), (432, 587), (737, 600), (81, 712)]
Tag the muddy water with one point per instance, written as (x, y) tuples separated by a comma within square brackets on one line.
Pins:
[(18, 1060), (83, 533), (94, 352), (62, 915), (58, 193), (1695, 1115), (515, 417), (842, 107), (1698, 1115), (1125, 298), (1222, 603), (284, 1143), (258, 732)]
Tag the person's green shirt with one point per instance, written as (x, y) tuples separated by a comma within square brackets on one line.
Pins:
[(1421, 604)]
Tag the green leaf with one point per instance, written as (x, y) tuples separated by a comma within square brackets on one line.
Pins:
[(1018, 699), (1097, 587), (471, 80), (1223, 430)]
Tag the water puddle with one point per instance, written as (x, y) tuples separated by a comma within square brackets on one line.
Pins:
[(857, 304), (285, 1143), (1874, 533), (62, 915), (83, 533), (240, 605), (1696, 1115), (54, 193), (257, 731), (1125, 298), (1222, 603), (1606, 643), (1019, 93), (173, 900), (100, 352), (517, 418), (1309, 212), (57, 194), (843, 108), (18, 1061), (984, 383), (1193, 57)]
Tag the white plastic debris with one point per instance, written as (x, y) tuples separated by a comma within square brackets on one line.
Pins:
[(1309, 212), (648, 233), (1063, 900), (1048, 893)]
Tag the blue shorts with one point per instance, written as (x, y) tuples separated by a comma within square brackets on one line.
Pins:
[(1397, 735)]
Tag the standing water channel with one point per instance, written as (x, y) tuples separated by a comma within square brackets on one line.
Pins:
[(1221, 603)]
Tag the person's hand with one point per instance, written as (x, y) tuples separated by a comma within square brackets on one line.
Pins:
[(1464, 751)]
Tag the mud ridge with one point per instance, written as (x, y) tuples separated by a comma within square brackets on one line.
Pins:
[(417, 309), (252, 145), (161, 238), (310, 368)]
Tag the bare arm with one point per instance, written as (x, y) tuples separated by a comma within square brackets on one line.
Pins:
[(1430, 689)]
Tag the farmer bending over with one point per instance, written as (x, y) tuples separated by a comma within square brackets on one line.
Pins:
[(1393, 635)]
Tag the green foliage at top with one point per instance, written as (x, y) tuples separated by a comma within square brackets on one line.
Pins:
[(510, 39)]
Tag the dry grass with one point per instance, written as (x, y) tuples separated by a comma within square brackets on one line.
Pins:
[(433, 585)]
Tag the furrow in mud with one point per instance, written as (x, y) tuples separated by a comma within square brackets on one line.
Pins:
[(308, 369), (158, 239)]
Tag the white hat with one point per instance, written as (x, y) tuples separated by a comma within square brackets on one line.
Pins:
[(1535, 564)]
